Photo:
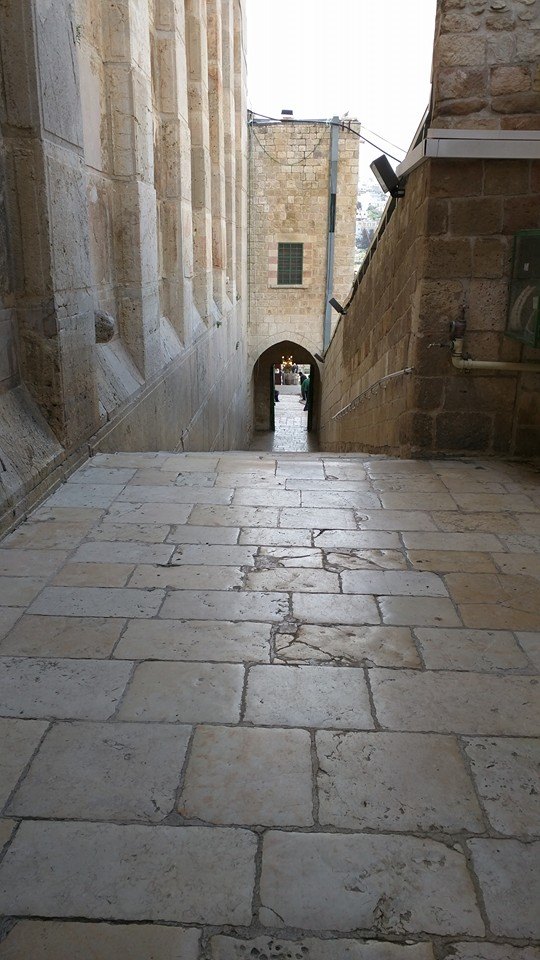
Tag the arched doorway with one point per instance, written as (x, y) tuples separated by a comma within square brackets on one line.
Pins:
[(285, 426)]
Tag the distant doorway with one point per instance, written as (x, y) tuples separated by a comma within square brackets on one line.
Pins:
[(285, 417)]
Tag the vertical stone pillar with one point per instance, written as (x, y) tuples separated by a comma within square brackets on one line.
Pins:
[(197, 59), (217, 148), (230, 136), (173, 165), (241, 135), (129, 88), (48, 223)]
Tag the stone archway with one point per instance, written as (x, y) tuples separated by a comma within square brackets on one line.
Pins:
[(261, 384)]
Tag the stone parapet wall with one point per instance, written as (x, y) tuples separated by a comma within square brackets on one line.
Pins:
[(446, 254), (116, 200)]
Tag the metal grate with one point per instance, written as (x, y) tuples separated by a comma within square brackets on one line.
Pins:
[(290, 263)]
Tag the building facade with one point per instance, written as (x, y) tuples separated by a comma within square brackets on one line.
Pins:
[(292, 214)]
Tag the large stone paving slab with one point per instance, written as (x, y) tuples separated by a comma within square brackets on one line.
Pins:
[(19, 739), (184, 693), (214, 640), (77, 689), (491, 951), (103, 771), (380, 646), (308, 948), (87, 637), (394, 781), (68, 940), (249, 776), (308, 697), (104, 871), (216, 604), (385, 884), (476, 650), (452, 702), (506, 771), (509, 879), (97, 602)]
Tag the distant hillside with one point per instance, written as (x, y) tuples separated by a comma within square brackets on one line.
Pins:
[(369, 207)]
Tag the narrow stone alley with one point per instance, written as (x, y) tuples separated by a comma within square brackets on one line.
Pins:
[(272, 706)]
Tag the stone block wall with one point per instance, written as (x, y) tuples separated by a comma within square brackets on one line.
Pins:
[(446, 254), (289, 184), (114, 198)]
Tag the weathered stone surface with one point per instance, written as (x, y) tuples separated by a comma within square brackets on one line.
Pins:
[(105, 327), (308, 697), (216, 604), (84, 689), (329, 608), (20, 739), (197, 875), (195, 640), (184, 693), (456, 702), (383, 646), (507, 872), (398, 583), (8, 618), (272, 948), (505, 773), (482, 650), (290, 579), (137, 768), (89, 637), (394, 781), (249, 776), (97, 602), (493, 951), (56, 940), (186, 577), (388, 884)]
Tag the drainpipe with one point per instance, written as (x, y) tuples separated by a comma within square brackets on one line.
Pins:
[(457, 333), (332, 191)]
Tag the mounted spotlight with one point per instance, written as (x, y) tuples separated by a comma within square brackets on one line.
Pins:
[(337, 306), (386, 176)]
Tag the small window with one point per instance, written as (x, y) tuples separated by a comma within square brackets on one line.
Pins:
[(290, 263)]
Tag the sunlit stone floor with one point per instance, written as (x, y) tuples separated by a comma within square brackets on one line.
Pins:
[(290, 434), (272, 706)]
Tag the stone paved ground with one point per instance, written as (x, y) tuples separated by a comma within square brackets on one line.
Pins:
[(260, 707), (290, 432)]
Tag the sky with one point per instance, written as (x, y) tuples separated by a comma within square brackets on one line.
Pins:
[(322, 58)]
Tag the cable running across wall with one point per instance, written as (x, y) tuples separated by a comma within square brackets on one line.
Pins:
[(342, 123), (285, 162)]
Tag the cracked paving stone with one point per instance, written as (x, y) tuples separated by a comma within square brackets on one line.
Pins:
[(224, 605), (454, 702), (290, 579), (67, 940), (381, 646), (509, 879), (506, 773), (272, 948), (308, 697), (368, 559), (137, 767), (111, 872), (293, 557), (249, 776), (381, 883), (395, 781)]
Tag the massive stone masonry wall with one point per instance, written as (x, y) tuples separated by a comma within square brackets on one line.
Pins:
[(289, 182), (115, 198), (447, 249), (486, 70)]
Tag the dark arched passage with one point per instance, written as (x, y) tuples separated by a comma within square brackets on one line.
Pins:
[(263, 385)]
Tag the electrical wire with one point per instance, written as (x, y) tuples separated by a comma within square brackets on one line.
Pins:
[(345, 126), (285, 162), (384, 140)]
